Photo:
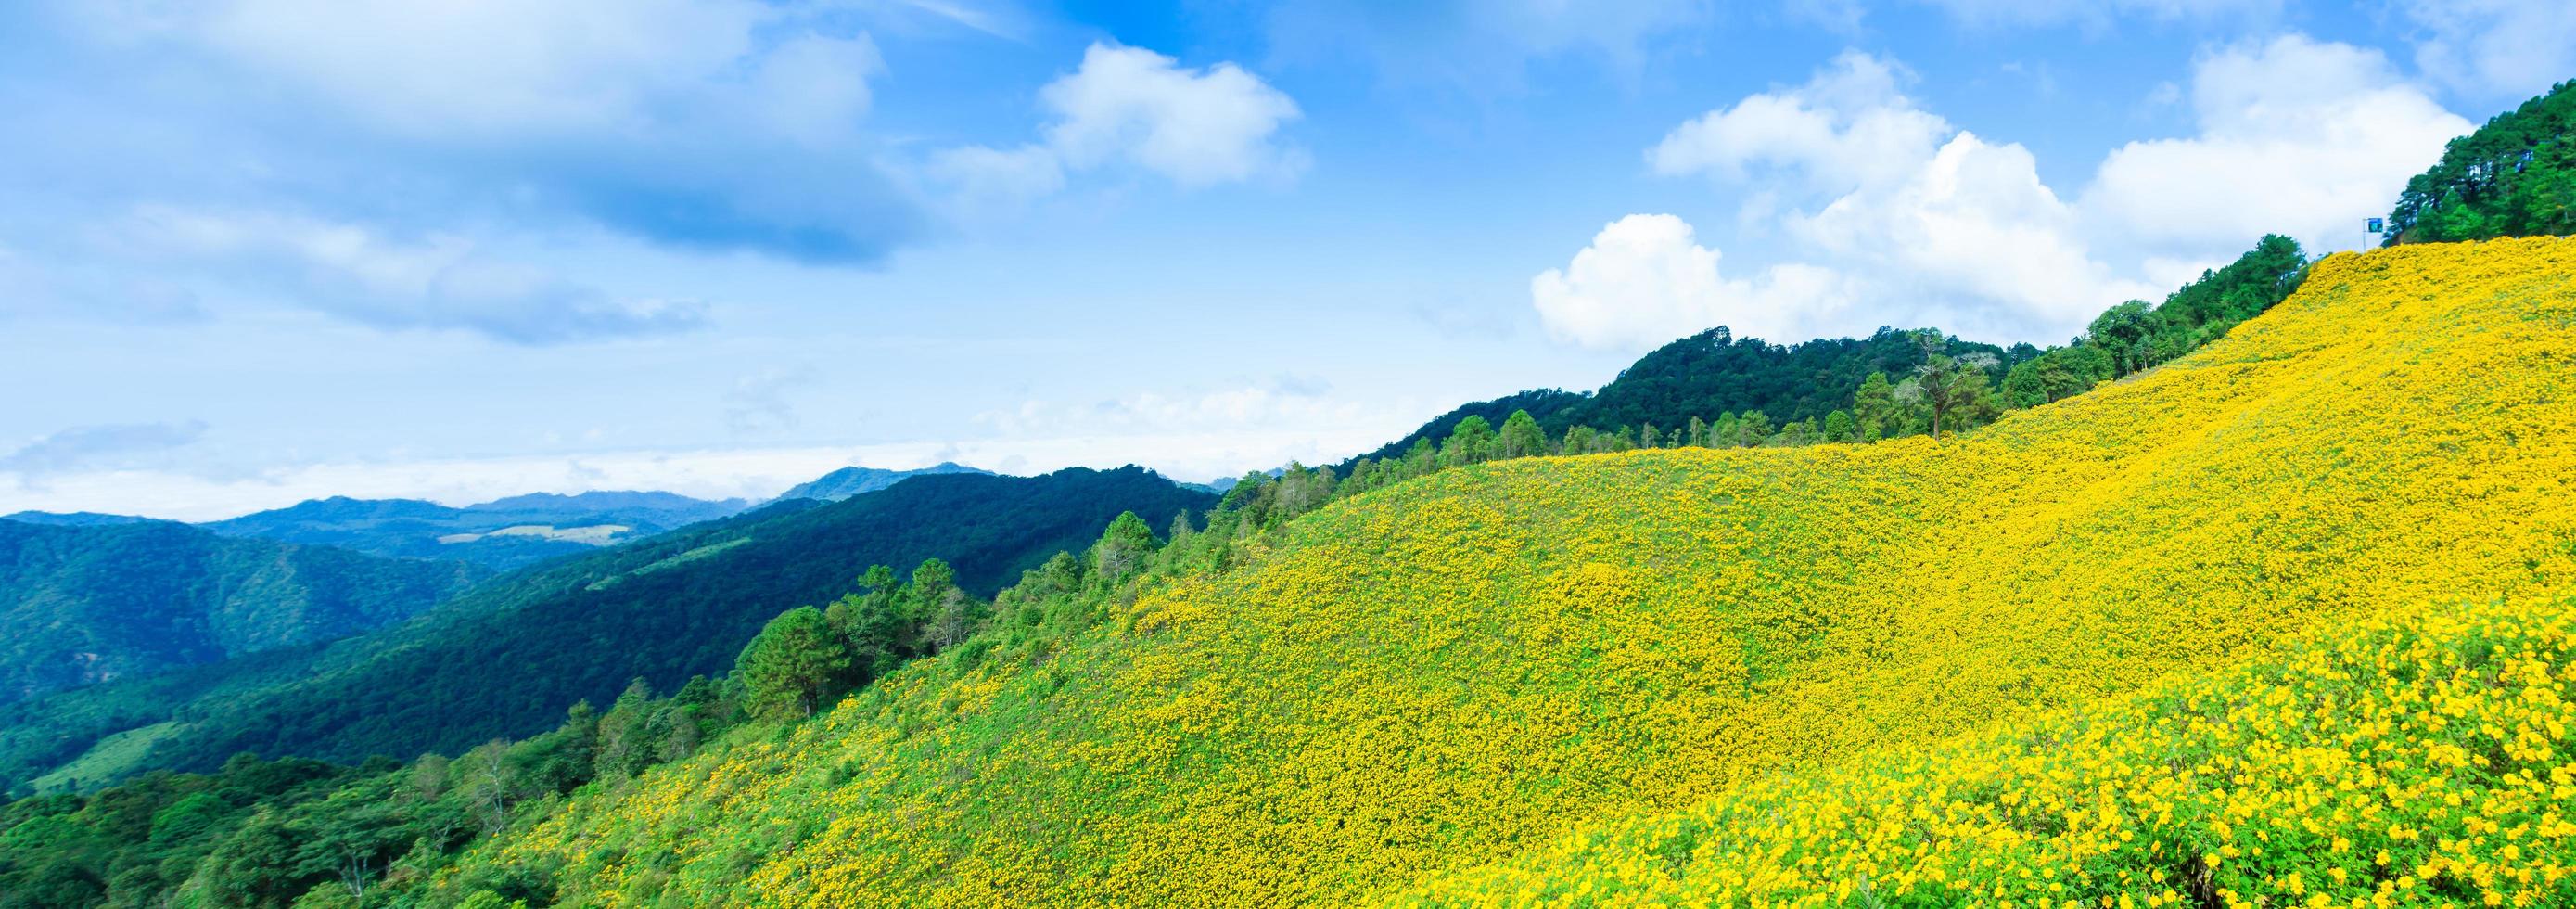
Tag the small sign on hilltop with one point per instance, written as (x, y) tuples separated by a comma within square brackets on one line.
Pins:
[(2378, 225)]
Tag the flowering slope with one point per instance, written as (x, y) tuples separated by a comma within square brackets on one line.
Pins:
[(1448, 672), (2419, 761)]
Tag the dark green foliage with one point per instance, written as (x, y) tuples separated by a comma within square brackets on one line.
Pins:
[(2513, 177), (1714, 372), (795, 665), (1544, 404), (2133, 336), (504, 659), (1696, 379), (84, 604)]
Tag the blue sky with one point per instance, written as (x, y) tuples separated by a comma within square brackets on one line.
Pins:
[(262, 250)]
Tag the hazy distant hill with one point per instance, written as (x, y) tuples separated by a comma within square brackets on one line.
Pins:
[(508, 657), (850, 481), (89, 603), (506, 533), (72, 519)]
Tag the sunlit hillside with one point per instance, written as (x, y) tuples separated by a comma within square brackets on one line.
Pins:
[(1460, 670), (2417, 759)]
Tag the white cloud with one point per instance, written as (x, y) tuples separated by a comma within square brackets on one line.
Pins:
[(1128, 106), (353, 272), (1927, 224), (2503, 48), (1849, 126), (1974, 225), (1195, 126), (2296, 136), (727, 124), (1645, 280)]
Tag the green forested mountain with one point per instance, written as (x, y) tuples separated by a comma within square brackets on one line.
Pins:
[(505, 659), (81, 604), (1707, 376), (2513, 177), (507, 533)]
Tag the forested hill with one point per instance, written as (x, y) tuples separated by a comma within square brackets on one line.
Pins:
[(93, 602), (2513, 177), (508, 533), (1708, 375), (508, 658)]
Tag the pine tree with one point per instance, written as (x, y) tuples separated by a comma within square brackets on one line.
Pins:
[(794, 666)]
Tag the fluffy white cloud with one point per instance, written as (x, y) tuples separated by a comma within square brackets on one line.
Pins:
[(2296, 136), (1850, 126), (1974, 240), (1133, 107), (1929, 224), (1645, 280), (2506, 48), (1195, 126)]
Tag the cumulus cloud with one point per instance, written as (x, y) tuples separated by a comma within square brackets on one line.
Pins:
[(1127, 106), (97, 447), (2296, 136), (1645, 280), (1974, 233), (437, 281), (1931, 224), (2501, 48), (1849, 126), (726, 124)]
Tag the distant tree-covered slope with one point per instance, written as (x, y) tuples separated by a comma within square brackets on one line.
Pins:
[(850, 481), (2513, 177), (507, 658), (504, 534), (1707, 376), (72, 518), (88, 603)]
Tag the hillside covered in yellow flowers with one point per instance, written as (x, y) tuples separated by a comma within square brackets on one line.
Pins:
[(2137, 644)]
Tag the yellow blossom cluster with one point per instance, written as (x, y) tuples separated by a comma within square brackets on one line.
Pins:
[(1446, 673), (2424, 761)]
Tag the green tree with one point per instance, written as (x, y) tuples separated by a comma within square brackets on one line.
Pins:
[(795, 665), (1123, 550), (2122, 331), (1471, 443), (1875, 409), (1753, 429), (1521, 437), (1948, 386), (1839, 427)]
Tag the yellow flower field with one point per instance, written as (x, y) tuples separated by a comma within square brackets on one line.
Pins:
[(2403, 762), (1789, 652)]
